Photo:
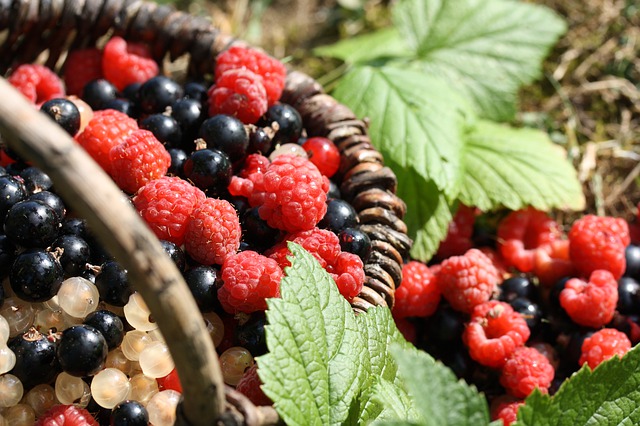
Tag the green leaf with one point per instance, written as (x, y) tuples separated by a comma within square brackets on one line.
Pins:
[(486, 48), (514, 168), (317, 358), (441, 399), (388, 402), (384, 43), (416, 120), (610, 395)]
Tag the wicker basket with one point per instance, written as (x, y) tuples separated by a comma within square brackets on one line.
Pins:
[(44, 30)]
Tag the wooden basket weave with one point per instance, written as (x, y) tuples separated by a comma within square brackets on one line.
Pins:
[(44, 30)]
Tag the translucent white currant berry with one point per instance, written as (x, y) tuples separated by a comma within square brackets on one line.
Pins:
[(215, 327), (70, 321), (133, 343), (52, 304), (4, 330), (11, 390), (109, 387), (162, 408), (290, 149), (7, 359), (116, 359), (234, 362), (20, 415), (143, 388), (78, 297), (69, 389), (137, 314), (156, 335), (41, 398), (47, 319), (19, 315), (155, 360)]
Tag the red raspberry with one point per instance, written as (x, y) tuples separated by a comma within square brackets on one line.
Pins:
[(107, 128), (602, 345), (81, 67), (37, 83), (346, 269), (496, 259), (249, 279), (66, 415), (553, 264), (324, 154), (166, 205), (505, 408), (137, 161), (213, 232), (523, 232), (250, 386), (291, 194), (599, 243), (494, 332), (458, 239), (125, 63), (467, 281), (239, 93), (254, 163), (418, 294), (592, 303), (271, 70), (525, 370)]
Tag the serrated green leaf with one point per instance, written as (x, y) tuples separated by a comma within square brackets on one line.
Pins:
[(314, 369), (416, 120), (384, 43), (388, 403), (610, 395), (486, 48), (514, 168), (440, 398)]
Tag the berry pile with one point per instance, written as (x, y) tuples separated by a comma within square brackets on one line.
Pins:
[(511, 302), (220, 170)]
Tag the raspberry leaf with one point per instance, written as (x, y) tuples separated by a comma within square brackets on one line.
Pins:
[(608, 395), (384, 43), (487, 49), (517, 167), (385, 401)]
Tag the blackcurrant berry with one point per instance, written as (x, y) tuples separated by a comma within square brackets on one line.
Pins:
[(195, 90), (203, 281), (175, 253), (334, 190), (129, 413), (11, 191), (189, 115), (36, 275), (530, 311), (628, 296), (517, 286), (157, 93), (123, 105), (289, 123), (209, 170), (251, 335), (74, 226), (632, 257), (52, 200), (98, 92), (64, 112), (165, 128), (75, 256), (340, 215), (36, 361), (7, 256), (260, 140), (31, 223), (256, 231), (113, 284), (131, 92), (82, 350), (227, 134), (178, 158), (355, 241), (35, 180), (109, 325)]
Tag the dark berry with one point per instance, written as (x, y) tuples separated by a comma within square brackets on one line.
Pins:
[(7, 256), (289, 123), (530, 311), (36, 361), (196, 90), (340, 215), (355, 241), (175, 253), (164, 128), (64, 112), (98, 92), (632, 257), (75, 256), (241, 204), (227, 134), (52, 200), (131, 92), (178, 158), (334, 190), (255, 230), (209, 170), (250, 335), (158, 93), (36, 275), (12, 190), (14, 169), (113, 284), (123, 105), (189, 115), (445, 326), (129, 413), (628, 296), (260, 140), (35, 180), (31, 223), (109, 325), (3, 171), (82, 350), (203, 281), (517, 286), (74, 226)]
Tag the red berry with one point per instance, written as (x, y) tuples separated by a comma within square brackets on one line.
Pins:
[(81, 67), (324, 154), (407, 328), (505, 408), (599, 243), (37, 83), (525, 370), (494, 333), (271, 70), (166, 204), (602, 345), (170, 381), (291, 194), (126, 63), (459, 234), (418, 294), (137, 161), (467, 281), (213, 232), (591, 303), (523, 232), (66, 415), (250, 386), (249, 279), (239, 93), (553, 264), (107, 129)]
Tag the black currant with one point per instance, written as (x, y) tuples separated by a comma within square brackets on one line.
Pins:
[(36, 361), (260, 140), (82, 350), (632, 257), (129, 413), (517, 286), (123, 105), (131, 91), (12, 190), (250, 334), (8, 254), (334, 190), (98, 92), (52, 200), (158, 93), (355, 241), (203, 281), (36, 275), (339, 215), (75, 256), (227, 134), (64, 112), (530, 311), (35, 180), (196, 90), (108, 324), (189, 115), (178, 158), (256, 231), (113, 284), (209, 170), (289, 123), (74, 226), (175, 253), (628, 296), (165, 128), (31, 223)]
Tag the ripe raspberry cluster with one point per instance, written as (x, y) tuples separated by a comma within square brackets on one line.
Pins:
[(512, 302), (220, 170)]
